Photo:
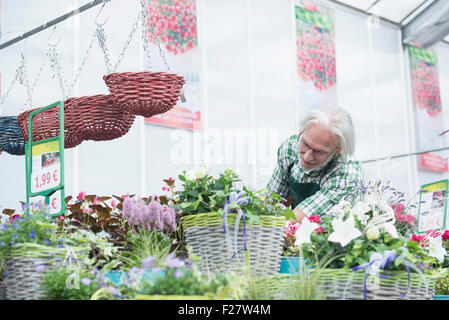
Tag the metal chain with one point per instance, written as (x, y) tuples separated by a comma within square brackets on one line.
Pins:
[(101, 36), (145, 36), (38, 75), (128, 41), (147, 21), (19, 71), (57, 70), (81, 67), (23, 79)]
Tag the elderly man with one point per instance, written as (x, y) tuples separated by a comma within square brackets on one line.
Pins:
[(313, 168)]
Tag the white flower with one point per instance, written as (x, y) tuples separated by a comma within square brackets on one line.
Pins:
[(436, 248), (372, 233), (344, 231), (201, 172), (303, 233), (190, 175), (336, 211), (390, 228), (359, 210)]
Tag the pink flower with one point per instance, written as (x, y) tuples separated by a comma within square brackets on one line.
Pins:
[(291, 228), (81, 195), (95, 201), (114, 205)]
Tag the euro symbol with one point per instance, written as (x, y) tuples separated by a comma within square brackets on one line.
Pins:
[(55, 177)]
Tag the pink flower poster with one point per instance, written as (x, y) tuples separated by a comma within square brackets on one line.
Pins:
[(174, 29), (315, 50), (427, 101)]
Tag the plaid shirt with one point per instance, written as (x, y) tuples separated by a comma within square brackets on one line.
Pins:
[(339, 180)]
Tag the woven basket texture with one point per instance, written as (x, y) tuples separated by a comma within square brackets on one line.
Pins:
[(145, 93), (46, 125), (23, 281), (11, 138), (207, 240), (334, 281), (98, 118)]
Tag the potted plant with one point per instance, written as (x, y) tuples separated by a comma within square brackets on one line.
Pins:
[(365, 254), (28, 240), (442, 286), (221, 218)]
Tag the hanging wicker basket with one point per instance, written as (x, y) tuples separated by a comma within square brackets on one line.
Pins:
[(145, 93), (46, 125), (204, 233), (11, 138), (98, 118)]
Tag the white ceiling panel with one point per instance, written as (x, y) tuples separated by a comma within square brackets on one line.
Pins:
[(359, 4), (395, 10)]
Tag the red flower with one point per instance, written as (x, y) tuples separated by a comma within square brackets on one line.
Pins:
[(445, 235), (316, 219), (14, 217)]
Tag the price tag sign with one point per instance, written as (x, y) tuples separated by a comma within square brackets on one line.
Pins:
[(54, 204), (45, 166), (432, 207)]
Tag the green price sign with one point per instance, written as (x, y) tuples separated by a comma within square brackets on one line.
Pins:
[(432, 207), (44, 164)]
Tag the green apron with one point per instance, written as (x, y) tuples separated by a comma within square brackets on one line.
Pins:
[(301, 191)]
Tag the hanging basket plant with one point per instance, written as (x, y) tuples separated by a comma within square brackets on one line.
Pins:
[(46, 125), (98, 118), (145, 93), (11, 138)]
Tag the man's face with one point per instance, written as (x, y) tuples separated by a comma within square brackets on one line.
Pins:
[(317, 146)]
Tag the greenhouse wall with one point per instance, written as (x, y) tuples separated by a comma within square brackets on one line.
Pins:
[(248, 94)]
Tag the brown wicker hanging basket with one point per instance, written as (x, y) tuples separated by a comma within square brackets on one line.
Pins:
[(46, 125), (98, 118), (145, 93)]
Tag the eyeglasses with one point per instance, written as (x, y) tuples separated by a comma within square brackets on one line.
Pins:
[(318, 154)]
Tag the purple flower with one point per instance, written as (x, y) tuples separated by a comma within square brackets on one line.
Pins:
[(112, 290), (156, 270), (148, 263), (172, 262), (179, 273), (33, 234), (40, 268), (5, 275), (47, 242), (86, 281), (60, 245)]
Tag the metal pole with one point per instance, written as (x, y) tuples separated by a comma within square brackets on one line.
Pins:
[(404, 155), (51, 23)]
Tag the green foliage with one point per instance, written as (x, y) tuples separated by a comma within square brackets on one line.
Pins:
[(144, 244), (33, 226), (442, 284), (205, 193), (63, 283), (186, 282)]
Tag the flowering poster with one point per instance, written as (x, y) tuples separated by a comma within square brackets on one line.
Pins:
[(432, 207), (175, 26), (315, 51), (426, 96)]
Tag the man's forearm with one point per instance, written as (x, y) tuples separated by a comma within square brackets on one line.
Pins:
[(299, 214)]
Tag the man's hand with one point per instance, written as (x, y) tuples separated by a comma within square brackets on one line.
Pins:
[(298, 214)]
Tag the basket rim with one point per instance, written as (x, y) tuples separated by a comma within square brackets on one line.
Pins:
[(214, 218)]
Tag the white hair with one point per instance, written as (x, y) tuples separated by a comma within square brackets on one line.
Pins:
[(338, 121)]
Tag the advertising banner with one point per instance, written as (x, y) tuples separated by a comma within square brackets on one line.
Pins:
[(427, 101), (315, 52), (175, 27)]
